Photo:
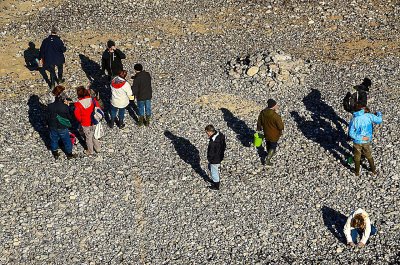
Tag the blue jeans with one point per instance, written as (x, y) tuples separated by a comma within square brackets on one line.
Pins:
[(355, 232), (214, 171), (121, 114), (56, 135), (144, 105)]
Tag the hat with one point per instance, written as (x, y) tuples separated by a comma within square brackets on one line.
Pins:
[(54, 30), (110, 43), (271, 103)]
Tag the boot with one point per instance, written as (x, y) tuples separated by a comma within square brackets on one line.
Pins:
[(55, 154), (111, 124), (141, 121), (214, 186), (147, 120), (268, 162), (70, 156)]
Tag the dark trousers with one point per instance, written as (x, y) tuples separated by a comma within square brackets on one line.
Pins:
[(271, 145), (53, 76), (363, 149)]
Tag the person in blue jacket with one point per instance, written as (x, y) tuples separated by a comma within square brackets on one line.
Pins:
[(51, 55), (361, 130)]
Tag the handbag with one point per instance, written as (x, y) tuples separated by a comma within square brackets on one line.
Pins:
[(97, 114), (63, 121), (98, 131)]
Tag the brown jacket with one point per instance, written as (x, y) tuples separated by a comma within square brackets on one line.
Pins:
[(271, 123)]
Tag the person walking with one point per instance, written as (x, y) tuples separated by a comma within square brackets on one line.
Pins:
[(59, 120), (270, 122), (143, 92), (121, 93), (360, 131), (84, 108), (51, 55), (215, 154), (358, 223), (111, 60)]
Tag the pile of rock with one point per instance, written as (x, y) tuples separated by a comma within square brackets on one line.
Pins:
[(271, 69)]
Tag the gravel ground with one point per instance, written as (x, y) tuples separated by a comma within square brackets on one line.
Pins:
[(142, 200)]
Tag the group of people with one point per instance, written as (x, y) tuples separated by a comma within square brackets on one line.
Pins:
[(61, 116)]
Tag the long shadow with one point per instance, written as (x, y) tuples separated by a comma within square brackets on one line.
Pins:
[(31, 56), (335, 222), (320, 129), (187, 152), (38, 118), (243, 133)]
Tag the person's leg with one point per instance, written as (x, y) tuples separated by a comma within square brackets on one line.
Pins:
[(121, 116), (54, 138), (374, 230), (64, 135), (148, 112), (214, 175), (60, 69), (357, 158), (271, 147), (368, 155), (96, 143), (140, 105), (89, 138), (113, 114), (43, 72), (53, 77)]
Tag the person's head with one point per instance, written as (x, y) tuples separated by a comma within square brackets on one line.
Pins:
[(54, 30), (122, 74), (31, 45), (358, 221), (58, 90), (271, 104), (367, 82), (138, 67), (210, 130), (110, 44), (82, 92), (359, 106)]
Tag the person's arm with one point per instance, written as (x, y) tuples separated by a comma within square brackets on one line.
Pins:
[(128, 90), (259, 122), (120, 54), (279, 124), (77, 113), (103, 63), (63, 48), (135, 86), (377, 119), (366, 233), (41, 51), (347, 230)]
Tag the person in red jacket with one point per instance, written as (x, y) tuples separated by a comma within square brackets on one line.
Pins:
[(83, 114)]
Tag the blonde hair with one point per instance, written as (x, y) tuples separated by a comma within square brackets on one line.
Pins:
[(358, 221)]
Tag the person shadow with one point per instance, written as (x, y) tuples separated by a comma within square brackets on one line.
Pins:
[(243, 133), (37, 113), (335, 222), (325, 128), (31, 57), (188, 153)]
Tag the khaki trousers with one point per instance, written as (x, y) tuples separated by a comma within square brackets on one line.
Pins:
[(91, 142), (363, 149)]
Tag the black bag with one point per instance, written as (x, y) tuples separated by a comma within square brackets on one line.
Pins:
[(350, 100)]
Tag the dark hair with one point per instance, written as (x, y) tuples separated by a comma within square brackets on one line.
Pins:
[(110, 43), (210, 128), (58, 90), (138, 67), (358, 106), (367, 82), (82, 92), (122, 74)]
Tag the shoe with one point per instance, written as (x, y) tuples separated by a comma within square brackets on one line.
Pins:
[(355, 173), (121, 126), (88, 153), (214, 186), (141, 121), (147, 120), (56, 154), (111, 124), (70, 156), (61, 80), (268, 162), (374, 173)]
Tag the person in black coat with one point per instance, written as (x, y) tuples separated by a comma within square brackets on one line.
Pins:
[(215, 154), (143, 92), (51, 55), (59, 120), (111, 60)]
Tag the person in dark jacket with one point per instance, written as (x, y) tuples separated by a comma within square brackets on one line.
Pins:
[(111, 60), (271, 123), (51, 55), (215, 154), (143, 92), (59, 120)]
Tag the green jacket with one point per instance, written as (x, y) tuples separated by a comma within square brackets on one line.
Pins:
[(271, 123)]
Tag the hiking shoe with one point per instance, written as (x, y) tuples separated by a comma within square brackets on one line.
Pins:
[(70, 156), (110, 124), (141, 121), (214, 186), (56, 154), (61, 80), (121, 126), (268, 164), (88, 153)]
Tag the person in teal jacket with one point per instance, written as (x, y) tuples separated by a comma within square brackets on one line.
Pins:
[(361, 130)]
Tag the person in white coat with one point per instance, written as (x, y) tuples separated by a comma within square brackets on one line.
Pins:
[(121, 93), (358, 223)]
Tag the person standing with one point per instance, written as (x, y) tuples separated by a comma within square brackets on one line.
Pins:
[(59, 120), (361, 130), (215, 154), (143, 92), (271, 123), (111, 60), (84, 108), (121, 93), (358, 223), (51, 55)]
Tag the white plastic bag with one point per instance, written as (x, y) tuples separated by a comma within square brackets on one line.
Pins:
[(99, 131)]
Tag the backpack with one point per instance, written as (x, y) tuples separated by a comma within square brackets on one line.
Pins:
[(350, 100), (97, 114)]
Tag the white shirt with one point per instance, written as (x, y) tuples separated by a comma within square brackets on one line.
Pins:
[(347, 227)]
